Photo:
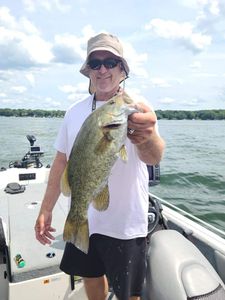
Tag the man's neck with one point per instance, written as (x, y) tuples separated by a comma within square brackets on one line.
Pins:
[(106, 96)]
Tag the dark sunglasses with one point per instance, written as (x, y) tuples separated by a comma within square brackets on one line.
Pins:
[(108, 63)]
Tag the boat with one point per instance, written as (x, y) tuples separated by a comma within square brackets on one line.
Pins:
[(186, 256)]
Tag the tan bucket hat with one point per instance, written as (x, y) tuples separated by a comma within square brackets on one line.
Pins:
[(106, 42)]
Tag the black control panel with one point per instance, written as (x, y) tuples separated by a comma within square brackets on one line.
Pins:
[(27, 176)]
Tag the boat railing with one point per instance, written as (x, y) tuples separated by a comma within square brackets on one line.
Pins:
[(190, 216)]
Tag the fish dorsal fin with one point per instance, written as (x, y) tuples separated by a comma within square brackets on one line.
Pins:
[(127, 99), (64, 184), (123, 153), (101, 201)]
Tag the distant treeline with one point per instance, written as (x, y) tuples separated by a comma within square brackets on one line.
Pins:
[(214, 114), (38, 113)]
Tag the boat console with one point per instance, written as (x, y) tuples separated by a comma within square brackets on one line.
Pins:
[(32, 158)]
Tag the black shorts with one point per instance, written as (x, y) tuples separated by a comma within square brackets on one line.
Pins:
[(123, 262)]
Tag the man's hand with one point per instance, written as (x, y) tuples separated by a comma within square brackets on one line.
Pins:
[(143, 133), (142, 124), (43, 228)]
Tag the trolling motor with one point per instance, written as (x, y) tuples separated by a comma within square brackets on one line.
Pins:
[(32, 158)]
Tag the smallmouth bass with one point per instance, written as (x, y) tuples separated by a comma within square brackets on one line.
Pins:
[(99, 143)]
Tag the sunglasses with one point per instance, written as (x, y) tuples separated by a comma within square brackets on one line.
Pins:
[(108, 63)]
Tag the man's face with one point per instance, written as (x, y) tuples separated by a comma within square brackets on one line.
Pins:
[(105, 79)]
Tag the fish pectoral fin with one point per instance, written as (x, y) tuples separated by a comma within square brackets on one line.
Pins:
[(101, 201), (77, 233), (64, 184), (103, 144), (123, 153)]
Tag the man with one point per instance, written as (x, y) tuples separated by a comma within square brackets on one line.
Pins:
[(117, 235)]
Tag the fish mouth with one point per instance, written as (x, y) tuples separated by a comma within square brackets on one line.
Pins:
[(112, 126)]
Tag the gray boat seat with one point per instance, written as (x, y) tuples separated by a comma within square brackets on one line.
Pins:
[(179, 271)]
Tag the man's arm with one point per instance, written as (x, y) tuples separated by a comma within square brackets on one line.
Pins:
[(150, 145), (151, 152), (43, 227)]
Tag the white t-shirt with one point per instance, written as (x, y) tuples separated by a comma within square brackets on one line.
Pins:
[(126, 217)]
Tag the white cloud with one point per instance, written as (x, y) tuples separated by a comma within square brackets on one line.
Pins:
[(68, 89), (159, 82), (195, 65), (136, 94), (205, 75), (214, 7), (75, 97), (5, 75), (12, 102), (38, 49), (135, 60), (87, 32), (22, 24), (21, 47), (210, 16), (167, 100), (51, 102), (184, 33), (210, 6), (30, 78), (191, 102), (68, 48), (75, 93), (28, 27), (6, 19), (203, 7), (19, 89), (49, 5), (179, 81)]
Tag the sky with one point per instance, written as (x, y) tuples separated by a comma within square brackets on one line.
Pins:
[(175, 50)]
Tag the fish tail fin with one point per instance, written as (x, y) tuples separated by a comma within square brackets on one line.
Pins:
[(77, 233), (64, 184)]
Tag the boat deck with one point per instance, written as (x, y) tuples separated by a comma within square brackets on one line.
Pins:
[(19, 212), (41, 272)]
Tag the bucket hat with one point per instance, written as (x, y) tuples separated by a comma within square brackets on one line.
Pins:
[(106, 42)]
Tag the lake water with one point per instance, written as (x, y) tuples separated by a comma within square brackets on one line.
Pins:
[(192, 171)]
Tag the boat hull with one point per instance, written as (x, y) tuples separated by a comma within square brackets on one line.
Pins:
[(41, 277)]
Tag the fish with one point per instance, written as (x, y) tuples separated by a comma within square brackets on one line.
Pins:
[(98, 144)]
